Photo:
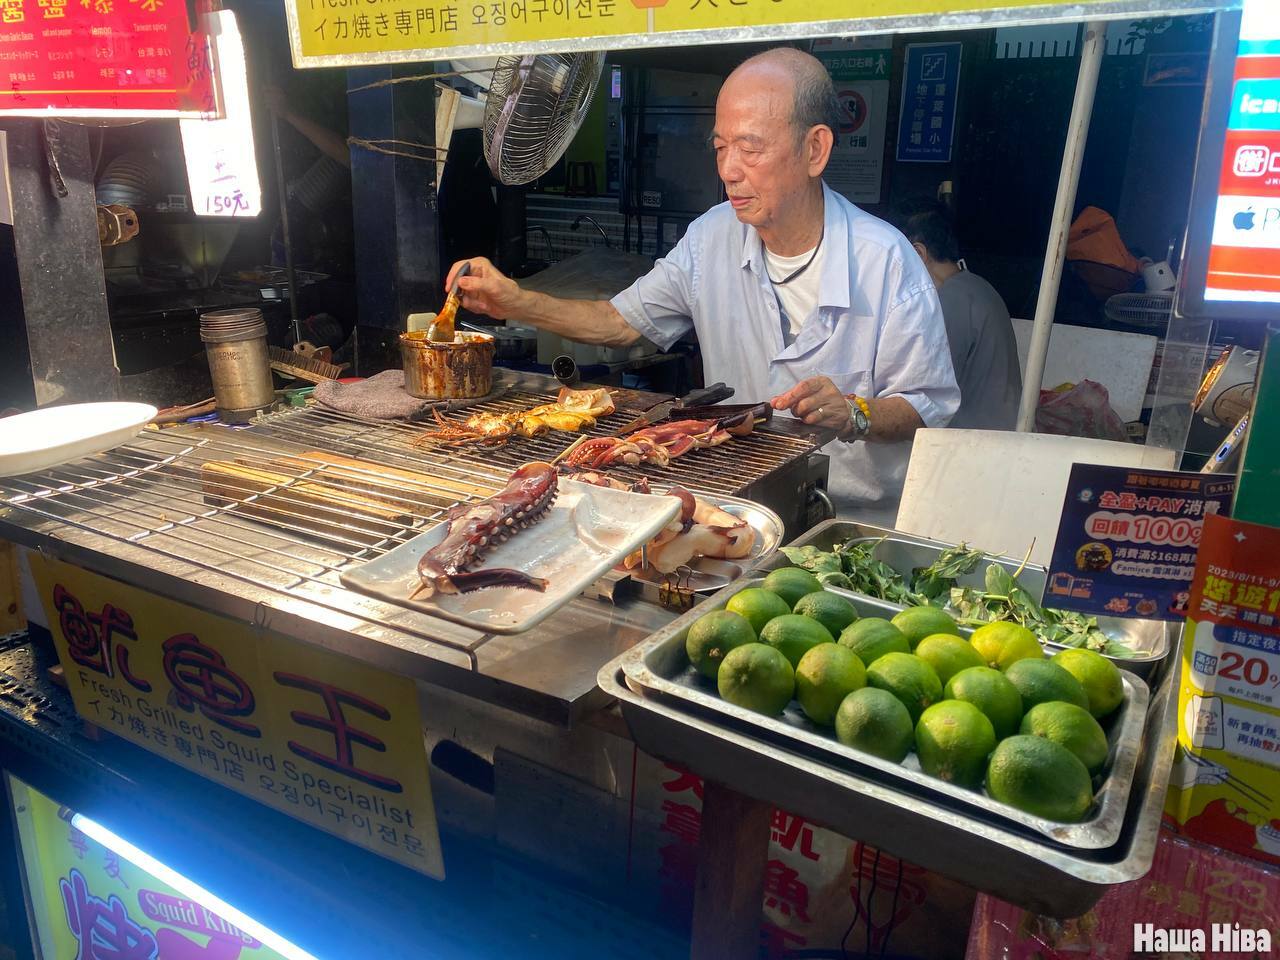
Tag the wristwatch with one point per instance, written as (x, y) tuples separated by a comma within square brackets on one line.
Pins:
[(859, 419)]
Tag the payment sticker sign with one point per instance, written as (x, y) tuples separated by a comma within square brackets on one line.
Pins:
[(1225, 785), (1128, 539), (328, 740), (1244, 259)]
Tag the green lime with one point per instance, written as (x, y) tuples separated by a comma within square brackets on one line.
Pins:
[(1072, 727), (947, 654), (826, 675), (875, 722), (992, 693), (791, 583), (794, 635), (758, 606), (1004, 644), (714, 635), (1041, 778), (953, 741), (872, 637), (756, 677), (832, 611), (1098, 675), (1043, 681), (916, 623), (909, 679)]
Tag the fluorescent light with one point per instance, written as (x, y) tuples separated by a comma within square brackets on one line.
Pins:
[(189, 888)]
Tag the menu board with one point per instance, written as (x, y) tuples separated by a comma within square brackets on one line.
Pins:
[(1244, 258), (103, 58)]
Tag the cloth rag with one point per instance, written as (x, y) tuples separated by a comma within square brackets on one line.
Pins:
[(380, 397), (383, 397)]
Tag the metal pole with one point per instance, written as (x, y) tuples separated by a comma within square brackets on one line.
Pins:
[(1095, 44), (282, 188)]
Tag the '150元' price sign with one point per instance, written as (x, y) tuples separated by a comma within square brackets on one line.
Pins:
[(323, 738)]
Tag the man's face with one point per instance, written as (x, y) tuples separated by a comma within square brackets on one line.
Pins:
[(758, 155)]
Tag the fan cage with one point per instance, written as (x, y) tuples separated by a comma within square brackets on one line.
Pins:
[(535, 106)]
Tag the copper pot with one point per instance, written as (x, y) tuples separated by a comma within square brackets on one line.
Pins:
[(461, 369)]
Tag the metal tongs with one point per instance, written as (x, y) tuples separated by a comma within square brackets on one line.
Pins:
[(441, 329)]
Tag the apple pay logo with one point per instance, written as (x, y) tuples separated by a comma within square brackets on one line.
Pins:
[(1247, 222)]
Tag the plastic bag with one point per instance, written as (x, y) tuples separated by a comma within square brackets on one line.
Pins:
[(1082, 410)]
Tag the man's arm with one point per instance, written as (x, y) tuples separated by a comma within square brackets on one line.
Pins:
[(324, 139), (819, 403), (487, 290)]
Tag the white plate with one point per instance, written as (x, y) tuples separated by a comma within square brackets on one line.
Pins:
[(587, 530), (51, 436)]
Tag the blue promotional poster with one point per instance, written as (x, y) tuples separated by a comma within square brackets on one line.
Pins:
[(1128, 539)]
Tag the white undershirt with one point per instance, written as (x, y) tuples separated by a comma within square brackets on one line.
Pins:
[(799, 298)]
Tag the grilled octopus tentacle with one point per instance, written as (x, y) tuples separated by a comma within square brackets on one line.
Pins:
[(475, 527)]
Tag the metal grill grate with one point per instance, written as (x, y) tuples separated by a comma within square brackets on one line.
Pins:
[(728, 469), (291, 534)]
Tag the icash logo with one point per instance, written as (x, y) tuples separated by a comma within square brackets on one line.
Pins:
[(1255, 161)]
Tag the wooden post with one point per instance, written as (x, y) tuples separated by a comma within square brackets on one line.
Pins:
[(728, 898)]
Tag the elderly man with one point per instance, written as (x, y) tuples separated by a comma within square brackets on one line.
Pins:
[(795, 294)]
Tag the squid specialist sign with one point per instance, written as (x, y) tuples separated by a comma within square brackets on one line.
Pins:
[(1128, 538)]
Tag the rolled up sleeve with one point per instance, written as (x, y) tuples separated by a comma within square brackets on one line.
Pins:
[(660, 304), (913, 359)]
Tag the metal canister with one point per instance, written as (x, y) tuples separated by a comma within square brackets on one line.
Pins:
[(460, 369), (235, 342)]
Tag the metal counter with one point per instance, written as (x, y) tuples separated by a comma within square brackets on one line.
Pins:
[(140, 514)]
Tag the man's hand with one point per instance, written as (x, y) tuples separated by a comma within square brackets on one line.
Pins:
[(818, 402), (486, 289)]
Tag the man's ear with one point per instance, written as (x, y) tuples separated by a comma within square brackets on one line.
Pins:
[(922, 250), (818, 146)]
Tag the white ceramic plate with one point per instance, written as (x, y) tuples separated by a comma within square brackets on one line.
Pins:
[(51, 436), (587, 530)]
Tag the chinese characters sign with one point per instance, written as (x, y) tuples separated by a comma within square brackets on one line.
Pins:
[(328, 740), (103, 58), (1225, 786), (1244, 260), (1127, 540), (89, 903), (861, 78), (930, 84), (347, 32)]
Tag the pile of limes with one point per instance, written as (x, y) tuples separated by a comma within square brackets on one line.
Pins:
[(990, 710)]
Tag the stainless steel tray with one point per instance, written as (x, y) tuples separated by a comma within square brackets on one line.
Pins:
[(706, 575), (1151, 640), (1026, 870), (659, 667)]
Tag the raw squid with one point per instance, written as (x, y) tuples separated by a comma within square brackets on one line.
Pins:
[(476, 527), (700, 529)]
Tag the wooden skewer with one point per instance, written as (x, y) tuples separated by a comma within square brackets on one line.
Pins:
[(570, 448)]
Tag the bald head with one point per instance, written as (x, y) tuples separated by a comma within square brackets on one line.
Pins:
[(813, 94)]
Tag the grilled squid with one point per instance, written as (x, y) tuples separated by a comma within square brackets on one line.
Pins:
[(475, 528)]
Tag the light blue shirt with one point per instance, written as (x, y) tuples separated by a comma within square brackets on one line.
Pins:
[(877, 331)]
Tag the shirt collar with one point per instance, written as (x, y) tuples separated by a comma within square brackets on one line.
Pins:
[(833, 285)]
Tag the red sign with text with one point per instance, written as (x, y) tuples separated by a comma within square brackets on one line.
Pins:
[(103, 58)]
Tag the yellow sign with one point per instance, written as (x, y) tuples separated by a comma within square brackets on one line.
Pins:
[(352, 32), (88, 901), (323, 738)]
